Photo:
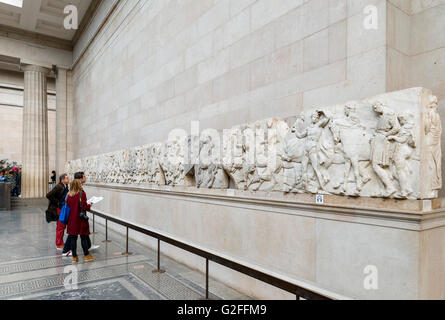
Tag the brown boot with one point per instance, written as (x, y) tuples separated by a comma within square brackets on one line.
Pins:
[(75, 259), (89, 258)]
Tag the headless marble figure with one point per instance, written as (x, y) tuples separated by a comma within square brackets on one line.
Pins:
[(381, 147), (405, 143)]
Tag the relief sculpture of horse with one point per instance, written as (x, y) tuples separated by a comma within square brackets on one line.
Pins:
[(353, 145)]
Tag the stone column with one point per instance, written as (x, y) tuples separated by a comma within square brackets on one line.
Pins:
[(61, 120), (35, 171)]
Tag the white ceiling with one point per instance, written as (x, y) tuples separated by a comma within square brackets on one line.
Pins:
[(42, 16)]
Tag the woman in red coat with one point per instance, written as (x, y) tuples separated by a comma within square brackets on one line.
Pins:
[(77, 202)]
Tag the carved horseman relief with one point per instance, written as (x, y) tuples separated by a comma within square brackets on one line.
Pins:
[(234, 156), (172, 161), (131, 173), (108, 168), (353, 144), (155, 175), (269, 141), (209, 172), (113, 172), (68, 168), (101, 168), (90, 170), (140, 163), (378, 147), (252, 155)]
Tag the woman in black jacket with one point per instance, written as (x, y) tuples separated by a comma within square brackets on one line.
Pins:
[(56, 199)]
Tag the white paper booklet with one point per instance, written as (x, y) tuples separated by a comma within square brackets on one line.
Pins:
[(95, 200)]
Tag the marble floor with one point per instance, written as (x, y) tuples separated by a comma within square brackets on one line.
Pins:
[(32, 268)]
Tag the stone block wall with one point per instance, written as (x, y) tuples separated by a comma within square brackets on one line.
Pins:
[(157, 65)]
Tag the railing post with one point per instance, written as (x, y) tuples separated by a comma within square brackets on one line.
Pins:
[(94, 224), (207, 281), (159, 270), (106, 231), (207, 278), (126, 253)]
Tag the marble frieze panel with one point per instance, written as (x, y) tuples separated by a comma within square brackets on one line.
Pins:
[(386, 146), (6, 164)]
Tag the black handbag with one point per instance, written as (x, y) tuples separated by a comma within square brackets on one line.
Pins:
[(51, 216), (83, 214)]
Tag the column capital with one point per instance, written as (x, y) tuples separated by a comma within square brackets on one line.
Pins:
[(59, 70), (36, 68), (62, 68)]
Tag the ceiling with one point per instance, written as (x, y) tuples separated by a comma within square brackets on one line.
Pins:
[(42, 16)]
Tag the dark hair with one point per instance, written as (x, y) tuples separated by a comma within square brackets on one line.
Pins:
[(79, 175), (63, 176)]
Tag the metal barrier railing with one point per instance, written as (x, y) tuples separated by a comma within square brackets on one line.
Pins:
[(290, 287)]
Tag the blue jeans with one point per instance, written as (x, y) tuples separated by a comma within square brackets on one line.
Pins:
[(84, 241)]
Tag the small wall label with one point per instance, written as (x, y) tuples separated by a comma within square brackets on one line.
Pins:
[(319, 199)]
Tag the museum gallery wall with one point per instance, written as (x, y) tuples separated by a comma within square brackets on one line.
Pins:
[(386, 146)]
